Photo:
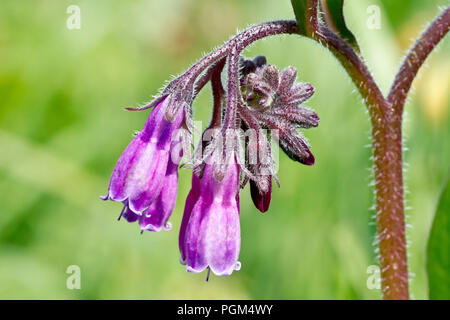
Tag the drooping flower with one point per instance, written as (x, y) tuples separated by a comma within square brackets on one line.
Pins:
[(260, 164), (258, 98), (210, 230), (157, 215), (144, 166)]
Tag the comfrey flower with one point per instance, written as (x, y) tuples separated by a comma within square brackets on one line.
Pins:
[(258, 106), (210, 230), (145, 177), (156, 216)]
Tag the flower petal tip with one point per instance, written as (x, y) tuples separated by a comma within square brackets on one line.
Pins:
[(310, 160)]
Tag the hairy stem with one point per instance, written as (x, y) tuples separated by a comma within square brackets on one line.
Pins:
[(242, 40), (390, 218), (233, 92), (312, 18), (186, 81), (386, 119), (415, 58), (388, 166), (357, 70), (218, 92), (387, 159), (210, 73)]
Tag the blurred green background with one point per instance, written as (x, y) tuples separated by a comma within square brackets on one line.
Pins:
[(62, 128)]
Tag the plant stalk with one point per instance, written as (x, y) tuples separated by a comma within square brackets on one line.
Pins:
[(386, 119), (388, 169), (389, 205), (416, 57)]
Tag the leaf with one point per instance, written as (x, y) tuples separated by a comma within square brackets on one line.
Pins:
[(438, 250), (334, 17), (300, 7)]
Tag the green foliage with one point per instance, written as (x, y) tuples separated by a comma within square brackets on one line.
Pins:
[(335, 11), (438, 251), (300, 7)]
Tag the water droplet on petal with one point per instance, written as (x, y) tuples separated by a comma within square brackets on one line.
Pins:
[(168, 226), (237, 266)]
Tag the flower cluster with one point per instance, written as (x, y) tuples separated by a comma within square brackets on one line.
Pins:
[(260, 105)]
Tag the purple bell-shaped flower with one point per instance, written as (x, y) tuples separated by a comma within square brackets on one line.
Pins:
[(145, 177), (210, 230)]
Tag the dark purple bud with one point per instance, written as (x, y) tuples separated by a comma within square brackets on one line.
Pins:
[(259, 61), (246, 67), (291, 141), (296, 148), (261, 199)]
